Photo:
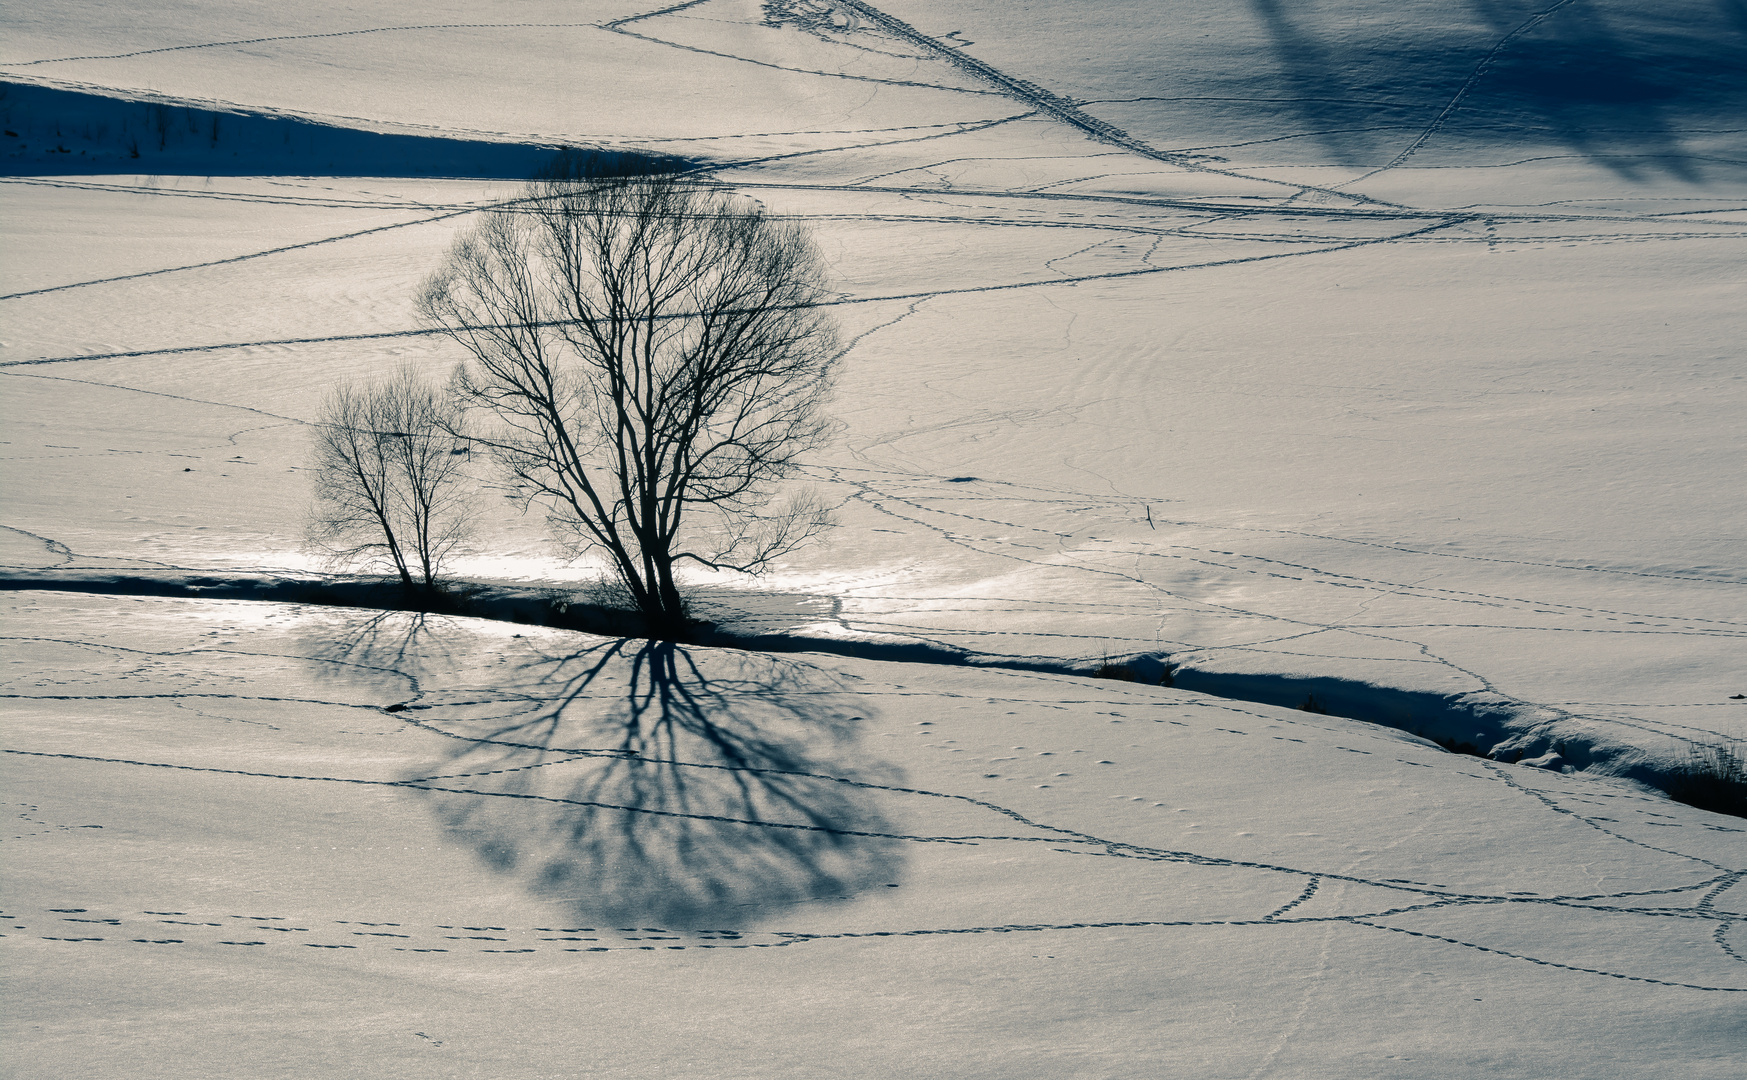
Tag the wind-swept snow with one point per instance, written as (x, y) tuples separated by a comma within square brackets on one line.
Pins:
[(1393, 355)]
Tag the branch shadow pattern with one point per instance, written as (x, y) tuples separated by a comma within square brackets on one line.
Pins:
[(1616, 86), (646, 782)]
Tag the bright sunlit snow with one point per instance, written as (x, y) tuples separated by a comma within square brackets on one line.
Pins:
[(1380, 359)]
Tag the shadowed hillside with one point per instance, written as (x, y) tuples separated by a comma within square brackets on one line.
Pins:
[(54, 132)]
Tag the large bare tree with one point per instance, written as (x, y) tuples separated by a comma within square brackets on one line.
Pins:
[(390, 491), (654, 360)]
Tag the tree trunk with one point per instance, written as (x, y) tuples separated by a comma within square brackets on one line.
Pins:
[(672, 607), (395, 552)]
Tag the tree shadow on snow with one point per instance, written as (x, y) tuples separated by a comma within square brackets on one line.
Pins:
[(648, 783), (1621, 85)]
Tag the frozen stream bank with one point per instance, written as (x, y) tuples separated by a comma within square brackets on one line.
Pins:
[(1482, 724)]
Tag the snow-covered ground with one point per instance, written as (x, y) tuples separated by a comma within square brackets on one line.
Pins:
[(1316, 348), (256, 839)]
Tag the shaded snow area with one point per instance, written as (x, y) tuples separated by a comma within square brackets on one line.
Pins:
[(54, 132), (1381, 361)]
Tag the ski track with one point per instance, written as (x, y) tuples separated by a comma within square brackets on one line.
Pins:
[(299, 37), (159, 393), (1210, 213), (919, 295), (1474, 77), (1065, 112)]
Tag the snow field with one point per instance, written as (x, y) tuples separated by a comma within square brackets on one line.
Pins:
[(979, 873), (1301, 492), (1326, 349)]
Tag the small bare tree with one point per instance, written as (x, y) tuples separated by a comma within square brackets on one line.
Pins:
[(390, 490), (655, 360)]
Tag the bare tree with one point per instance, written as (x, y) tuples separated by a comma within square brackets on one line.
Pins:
[(653, 356), (390, 491)]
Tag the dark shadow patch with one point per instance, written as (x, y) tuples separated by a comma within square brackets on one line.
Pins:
[(54, 132), (1714, 778), (1488, 726), (1116, 672), (645, 781), (1629, 89)]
